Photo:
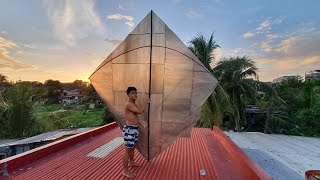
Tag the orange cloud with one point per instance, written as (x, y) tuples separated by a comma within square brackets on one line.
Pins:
[(6, 61)]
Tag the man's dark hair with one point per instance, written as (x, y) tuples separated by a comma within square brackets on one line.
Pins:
[(131, 89)]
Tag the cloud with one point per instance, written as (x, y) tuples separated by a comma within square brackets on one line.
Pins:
[(267, 44), (285, 54), (264, 27), (289, 53), (248, 35), (128, 5), (192, 14), (29, 46), (112, 41), (19, 52), (3, 32), (128, 19), (130, 24), (119, 17), (6, 61), (73, 20), (299, 46), (271, 68)]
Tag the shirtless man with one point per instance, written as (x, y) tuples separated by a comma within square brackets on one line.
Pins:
[(130, 130)]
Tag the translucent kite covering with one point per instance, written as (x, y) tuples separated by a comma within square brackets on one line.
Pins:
[(155, 61)]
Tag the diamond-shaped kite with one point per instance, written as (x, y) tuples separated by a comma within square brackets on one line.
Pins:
[(155, 61)]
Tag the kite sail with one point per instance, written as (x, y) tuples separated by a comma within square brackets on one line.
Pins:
[(155, 61)]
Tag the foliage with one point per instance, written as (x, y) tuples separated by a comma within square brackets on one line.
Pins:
[(23, 113), (233, 75), (216, 107), (91, 95), (56, 116), (204, 49), (18, 113), (107, 116), (4, 83), (77, 84), (275, 109), (4, 118), (303, 112), (212, 112), (54, 88)]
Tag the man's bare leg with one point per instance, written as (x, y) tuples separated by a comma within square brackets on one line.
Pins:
[(132, 162), (125, 161)]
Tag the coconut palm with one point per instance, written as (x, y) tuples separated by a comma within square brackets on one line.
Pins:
[(20, 100), (218, 103), (215, 108), (235, 76), (204, 49)]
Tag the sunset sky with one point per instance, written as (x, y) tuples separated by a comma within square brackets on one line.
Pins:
[(67, 39)]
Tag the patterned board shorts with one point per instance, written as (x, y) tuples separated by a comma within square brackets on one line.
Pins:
[(130, 134)]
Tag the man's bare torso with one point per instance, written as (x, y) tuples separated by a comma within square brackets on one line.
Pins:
[(131, 117)]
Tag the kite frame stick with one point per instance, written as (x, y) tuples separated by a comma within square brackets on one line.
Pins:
[(149, 90)]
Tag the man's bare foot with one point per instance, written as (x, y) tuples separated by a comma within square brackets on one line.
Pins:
[(129, 174), (134, 164)]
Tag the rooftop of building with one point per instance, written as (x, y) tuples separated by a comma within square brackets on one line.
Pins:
[(281, 156), (97, 154)]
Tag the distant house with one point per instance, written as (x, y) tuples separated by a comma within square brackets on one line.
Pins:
[(312, 75), (71, 97)]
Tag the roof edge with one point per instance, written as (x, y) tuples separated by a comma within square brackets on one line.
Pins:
[(20, 160), (250, 167)]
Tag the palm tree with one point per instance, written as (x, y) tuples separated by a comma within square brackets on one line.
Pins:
[(219, 102), (233, 75), (204, 49), (20, 101), (215, 108)]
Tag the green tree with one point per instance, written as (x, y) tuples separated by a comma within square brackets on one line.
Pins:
[(90, 94), (20, 100), (204, 49), (275, 109), (4, 83), (33, 84), (303, 99), (54, 89), (4, 118), (235, 76), (80, 85), (214, 109), (107, 116)]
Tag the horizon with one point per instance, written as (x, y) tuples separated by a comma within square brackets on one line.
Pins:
[(67, 40)]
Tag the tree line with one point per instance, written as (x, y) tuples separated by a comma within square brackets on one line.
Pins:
[(18, 102), (289, 107)]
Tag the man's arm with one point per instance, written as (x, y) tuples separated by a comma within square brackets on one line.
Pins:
[(135, 109)]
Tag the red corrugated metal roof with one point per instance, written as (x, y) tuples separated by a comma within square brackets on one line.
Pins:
[(182, 160)]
